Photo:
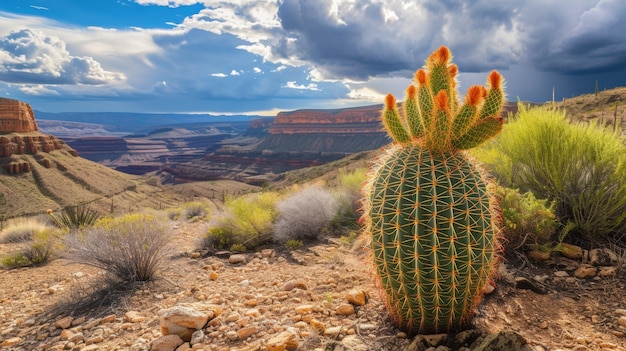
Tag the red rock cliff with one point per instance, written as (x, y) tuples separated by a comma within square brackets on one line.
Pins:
[(19, 135), (351, 120), (16, 117)]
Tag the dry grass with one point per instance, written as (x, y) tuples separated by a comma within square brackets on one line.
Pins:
[(22, 229)]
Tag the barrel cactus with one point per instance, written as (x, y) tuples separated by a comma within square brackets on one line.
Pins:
[(428, 206)]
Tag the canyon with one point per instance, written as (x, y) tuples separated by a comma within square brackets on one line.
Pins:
[(19, 135)]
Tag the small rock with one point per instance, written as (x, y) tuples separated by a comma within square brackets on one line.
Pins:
[(288, 286), (402, 335), (283, 341), (603, 257), (182, 321), (184, 347), (607, 271), (134, 317), (585, 271), (195, 255), (213, 275), (304, 309), (11, 342), (622, 321), (544, 325), (561, 274), (237, 258), (77, 338), (467, 337), (108, 319), (332, 331), (78, 321), (353, 343), (244, 333), (268, 253), (595, 319), (94, 340), (66, 334), (573, 252), (64, 323), (345, 309), (91, 324), (357, 297), (435, 340), (197, 337), (166, 343), (620, 312), (504, 340), (231, 335), (537, 255)]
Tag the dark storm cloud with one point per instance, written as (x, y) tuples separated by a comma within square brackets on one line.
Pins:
[(30, 57), (595, 43), (373, 38), (368, 38)]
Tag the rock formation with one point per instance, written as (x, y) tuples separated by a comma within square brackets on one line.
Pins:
[(16, 117), (20, 135), (364, 119)]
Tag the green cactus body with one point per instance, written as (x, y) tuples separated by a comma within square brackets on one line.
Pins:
[(428, 209)]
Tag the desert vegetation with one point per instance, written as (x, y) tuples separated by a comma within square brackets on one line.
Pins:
[(580, 167)]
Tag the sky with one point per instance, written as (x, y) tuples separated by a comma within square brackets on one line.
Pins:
[(261, 57)]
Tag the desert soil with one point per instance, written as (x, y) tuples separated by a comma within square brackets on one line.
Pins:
[(265, 296)]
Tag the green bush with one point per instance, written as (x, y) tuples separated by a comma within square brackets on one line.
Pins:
[(74, 217), (349, 200), (304, 215), (129, 248), (196, 209), (39, 251), (580, 166), (22, 229), (526, 220), (246, 223)]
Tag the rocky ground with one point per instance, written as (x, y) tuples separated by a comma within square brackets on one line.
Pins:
[(314, 299)]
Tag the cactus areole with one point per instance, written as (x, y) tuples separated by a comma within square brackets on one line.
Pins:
[(427, 206)]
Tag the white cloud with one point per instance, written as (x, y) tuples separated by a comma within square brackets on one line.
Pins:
[(28, 56), (257, 70), (235, 73), (38, 90), (219, 75), (169, 3), (366, 94), (294, 85)]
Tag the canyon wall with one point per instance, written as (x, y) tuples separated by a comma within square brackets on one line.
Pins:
[(20, 135), (357, 120), (16, 117)]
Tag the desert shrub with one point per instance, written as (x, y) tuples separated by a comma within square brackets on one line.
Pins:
[(349, 199), (305, 214), (74, 217), (581, 167), (174, 214), (22, 229), (526, 220), (39, 251), (130, 248), (196, 209), (245, 224)]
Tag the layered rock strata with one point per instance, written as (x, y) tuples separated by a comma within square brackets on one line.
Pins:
[(19, 135), (16, 117)]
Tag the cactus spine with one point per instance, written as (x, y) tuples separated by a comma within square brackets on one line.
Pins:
[(427, 205)]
